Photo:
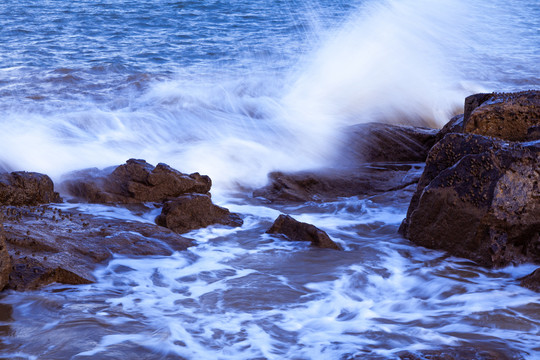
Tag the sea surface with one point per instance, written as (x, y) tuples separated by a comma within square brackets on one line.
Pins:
[(234, 90)]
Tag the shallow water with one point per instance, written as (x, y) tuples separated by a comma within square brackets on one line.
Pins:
[(235, 90)]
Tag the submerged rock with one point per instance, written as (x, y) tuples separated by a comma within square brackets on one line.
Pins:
[(194, 211), (50, 245), (134, 182), (298, 231), (508, 116), (26, 188), (479, 198), (377, 142), (532, 281), (329, 184)]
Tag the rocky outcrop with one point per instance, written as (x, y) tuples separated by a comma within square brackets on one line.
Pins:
[(26, 188), (479, 198), (377, 142), (532, 281), (195, 211), (508, 116), (5, 262), (298, 231), (329, 184), (134, 182), (50, 245)]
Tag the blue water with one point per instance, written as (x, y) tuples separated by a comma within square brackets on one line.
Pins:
[(235, 89)]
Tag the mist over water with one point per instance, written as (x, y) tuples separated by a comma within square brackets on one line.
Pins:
[(235, 90)]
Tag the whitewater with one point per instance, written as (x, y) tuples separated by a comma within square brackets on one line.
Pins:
[(235, 90)]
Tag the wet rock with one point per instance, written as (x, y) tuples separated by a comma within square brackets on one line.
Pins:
[(329, 184), (26, 188), (532, 281), (298, 231), (50, 245), (5, 262), (488, 351), (479, 198), (508, 116), (377, 142), (134, 182), (194, 211)]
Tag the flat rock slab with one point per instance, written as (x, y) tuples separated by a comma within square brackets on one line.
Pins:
[(50, 245), (330, 184), (299, 231)]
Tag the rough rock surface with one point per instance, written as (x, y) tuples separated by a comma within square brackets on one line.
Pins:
[(487, 351), (329, 184), (50, 245), (508, 116), (532, 281), (377, 142), (134, 182), (5, 262), (298, 231), (479, 198), (26, 188), (194, 211)]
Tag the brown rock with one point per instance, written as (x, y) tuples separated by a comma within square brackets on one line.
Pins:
[(49, 245), (5, 262), (532, 281), (194, 211), (329, 184), (26, 188), (480, 199), (134, 182), (298, 231), (508, 116)]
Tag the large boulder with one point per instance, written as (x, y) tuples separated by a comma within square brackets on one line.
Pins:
[(5, 262), (134, 182), (26, 188), (508, 116), (194, 211), (378, 142), (295, 230), (329, 184), (50, 245), (479, 198)]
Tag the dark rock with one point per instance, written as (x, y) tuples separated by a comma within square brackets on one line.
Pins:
[(50, 245), (298, 231), (488, 351), (5, 262), (478, 198), (455, 125), (26, 188), (329, 184), (377, 142), (134, 182), (508, 116), (532, 281), (194, 211)]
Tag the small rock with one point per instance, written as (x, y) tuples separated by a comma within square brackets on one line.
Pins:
[(194, 211), (532, 281), (298, 231)]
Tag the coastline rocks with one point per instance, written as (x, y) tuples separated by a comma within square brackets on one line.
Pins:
[(378, 142), (50, 245), (298, 231), (5, 262), (479, 198), (508, 116), (134, 182), (194, 211), (329, 184), (26, 188)]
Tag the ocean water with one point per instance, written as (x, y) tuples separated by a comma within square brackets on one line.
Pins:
[(236, 89)]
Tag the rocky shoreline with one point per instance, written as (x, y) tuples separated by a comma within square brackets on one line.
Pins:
[(477, 196)]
